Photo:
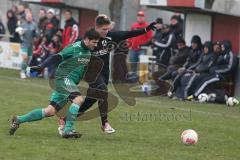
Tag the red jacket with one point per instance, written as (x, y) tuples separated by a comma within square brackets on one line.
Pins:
[(139, 40), (70, 32)]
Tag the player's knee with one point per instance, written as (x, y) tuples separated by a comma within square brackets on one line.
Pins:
[(78, 100), (50, 111)]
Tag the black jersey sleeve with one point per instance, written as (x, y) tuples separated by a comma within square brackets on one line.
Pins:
[(55, 59), (118, 36)]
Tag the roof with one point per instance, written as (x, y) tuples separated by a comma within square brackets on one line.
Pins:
[(209, 7)]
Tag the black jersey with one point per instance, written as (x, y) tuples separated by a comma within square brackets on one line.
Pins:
[(114, 41)]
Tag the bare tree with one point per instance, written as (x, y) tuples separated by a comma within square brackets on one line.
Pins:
[(115, 7)]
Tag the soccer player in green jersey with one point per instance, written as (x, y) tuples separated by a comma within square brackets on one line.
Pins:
[(73, 61)]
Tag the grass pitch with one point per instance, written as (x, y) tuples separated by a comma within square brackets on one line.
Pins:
[(150, 130)]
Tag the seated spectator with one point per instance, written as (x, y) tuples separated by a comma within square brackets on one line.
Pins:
[(190, 64), (201, 71), (177, 61), (40, 52), (225, 65), (54, 47)]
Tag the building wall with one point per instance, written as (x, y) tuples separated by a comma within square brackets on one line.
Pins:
[(227, 27), (129, 10), (5, 5), (197, 24)]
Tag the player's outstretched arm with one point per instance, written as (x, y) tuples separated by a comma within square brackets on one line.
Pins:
[(55, 59), (123, 35)]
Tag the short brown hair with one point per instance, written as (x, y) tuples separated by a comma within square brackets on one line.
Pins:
[(102, 20), (92, 34)]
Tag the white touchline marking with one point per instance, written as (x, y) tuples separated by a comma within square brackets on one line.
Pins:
[(18, 80), (186, 109)]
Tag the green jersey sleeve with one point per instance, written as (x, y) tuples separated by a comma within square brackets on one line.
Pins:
[(67, 52)]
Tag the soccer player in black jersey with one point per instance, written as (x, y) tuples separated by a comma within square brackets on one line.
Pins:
[(102, 52)]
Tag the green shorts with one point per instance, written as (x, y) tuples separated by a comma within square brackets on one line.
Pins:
[(26, 51), (64, 90)]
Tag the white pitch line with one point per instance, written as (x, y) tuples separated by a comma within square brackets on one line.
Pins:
[(138, 100), (186, 110)]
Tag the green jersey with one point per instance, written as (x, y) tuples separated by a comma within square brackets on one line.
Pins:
[(75, 59)]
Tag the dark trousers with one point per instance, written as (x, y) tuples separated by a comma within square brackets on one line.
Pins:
[(100, 83), (205, 81)]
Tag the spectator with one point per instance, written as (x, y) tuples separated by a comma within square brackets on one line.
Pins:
[(177, 60), (12, 25), (42, 20), (21, 13), (71, 30), (135, 50), (2, 28), (165, 45), (158, 35), (15, 10), (177, 26), (201, 71), (59, 33), (52, 24), (54, 47), (28, 31), (40, 47), (28, 11), (159, 28), (194, 54), (221, 71), (190, 64), (217, 48)]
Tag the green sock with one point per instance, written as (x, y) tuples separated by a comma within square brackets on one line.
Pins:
[(23, 66), (71, 117), (34, 115)]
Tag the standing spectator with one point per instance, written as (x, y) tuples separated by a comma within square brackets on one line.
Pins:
[(177, 26), (21, 14), (12, 25), (14, 8), (165, 45), (135, 50), (52, 24), (158, 35), (2, 28), (28, 32), (42, 20), (71, 31)]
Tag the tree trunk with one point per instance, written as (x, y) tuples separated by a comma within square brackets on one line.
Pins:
[(115, 7)]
